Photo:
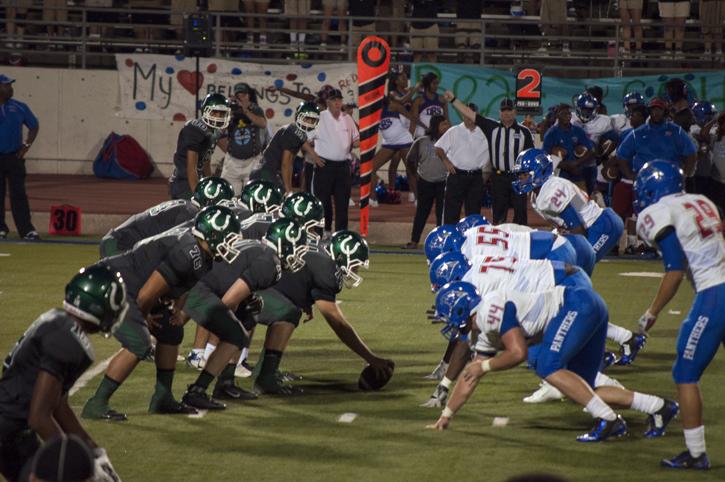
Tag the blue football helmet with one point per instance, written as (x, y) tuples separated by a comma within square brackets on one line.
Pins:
[(655, 180), (586, 107), (447, 268), (471, 221), (537, 164), (454, 304), (443, 239), (630, 100), (704, 112)]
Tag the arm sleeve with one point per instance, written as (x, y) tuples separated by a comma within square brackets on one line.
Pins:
[(673, 255), (60, 353), (571, 217), (445, 140), (528, 138), (327, 282), (687, 146), (509, 318), (625, 150), (262, 273), (485, 124), (195, 139), (29, 118), (175, 267)]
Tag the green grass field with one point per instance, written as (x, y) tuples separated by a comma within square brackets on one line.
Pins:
[(300, 439)]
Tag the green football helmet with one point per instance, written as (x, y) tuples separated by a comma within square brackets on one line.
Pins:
[(307, 116), (261, 197), (97, 294), (350, 252), (220, 228), (307, 210), (287, 237), (215, 111), (212, 190)]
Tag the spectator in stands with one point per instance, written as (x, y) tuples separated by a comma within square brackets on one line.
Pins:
[(465, 153), (506, 138), (339, 9), (361, 28), (468, 27), (553, 23), (562, 139), (297, 25), (16, 14), (259, 7), (432, 177), (55, 11), (395, 9), (335, 137), (65, 458), (674, 13), (424, 33), (630, 12), (717, 147), (246, 137), (659, 138), (712, 16), (13, 115)]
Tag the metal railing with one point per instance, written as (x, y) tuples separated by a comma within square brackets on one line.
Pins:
[(503, 42)]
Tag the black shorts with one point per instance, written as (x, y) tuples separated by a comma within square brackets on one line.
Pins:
[(277, 307)]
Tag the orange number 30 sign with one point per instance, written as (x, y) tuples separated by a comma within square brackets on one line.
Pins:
[(65, 220)]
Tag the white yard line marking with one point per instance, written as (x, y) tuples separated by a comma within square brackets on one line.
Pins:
[(200, 414), (643, 274), (4, 254), (91, 374)]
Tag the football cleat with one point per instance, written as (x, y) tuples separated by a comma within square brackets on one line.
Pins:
[(195, 360), (94, 411), (604, 429), (275, 387), (438, 399), (243, 370), (169, 406), (546, 393), (657, 422), (687, 461), (438, 372), (227, 390), (196, 397), (630, 348), (284, 376), (610, 358)]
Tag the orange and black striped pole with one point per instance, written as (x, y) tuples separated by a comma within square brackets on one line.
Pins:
[(373, 60)]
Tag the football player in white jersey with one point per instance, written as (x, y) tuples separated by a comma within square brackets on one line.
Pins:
[(567, 207), (572, 321), (687, 229)]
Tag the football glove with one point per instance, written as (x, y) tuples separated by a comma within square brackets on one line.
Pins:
[(254, 305), (438, 399), (646, 322), (104, 471)]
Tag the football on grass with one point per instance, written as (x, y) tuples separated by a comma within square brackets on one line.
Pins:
[(370, 379)]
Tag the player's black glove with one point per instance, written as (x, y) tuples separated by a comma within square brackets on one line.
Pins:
[(253, 306)]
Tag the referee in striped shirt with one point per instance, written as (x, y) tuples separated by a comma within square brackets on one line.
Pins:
[(506, 139)]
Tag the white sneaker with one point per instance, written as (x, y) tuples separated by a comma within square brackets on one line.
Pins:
[(438, 372), (373, 203), (351, 203), (242, 372), (195, 360), (545, 393), (411, 197)]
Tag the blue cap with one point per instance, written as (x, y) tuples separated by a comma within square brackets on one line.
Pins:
[(4, 79)]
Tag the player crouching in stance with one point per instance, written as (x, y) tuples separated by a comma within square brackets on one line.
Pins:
[(225, 294), (317, 283), (161, 267), (45, 363), (573, 324), (687, 229)]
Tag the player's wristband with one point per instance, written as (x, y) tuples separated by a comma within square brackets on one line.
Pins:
[(447, 412), (454, 99), (486, 365)]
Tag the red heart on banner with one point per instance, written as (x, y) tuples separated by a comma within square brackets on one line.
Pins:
[(191, 81)]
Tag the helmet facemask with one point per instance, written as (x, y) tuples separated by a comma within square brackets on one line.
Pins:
[(227, 250), (217, 116)]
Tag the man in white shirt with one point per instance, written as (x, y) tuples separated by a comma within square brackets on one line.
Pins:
[(464, 151), (334, 139)]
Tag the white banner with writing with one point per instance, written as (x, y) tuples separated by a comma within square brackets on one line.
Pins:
[(163, 86)]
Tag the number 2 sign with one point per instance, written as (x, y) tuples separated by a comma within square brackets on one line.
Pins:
[(528, 91), (65, 220)]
